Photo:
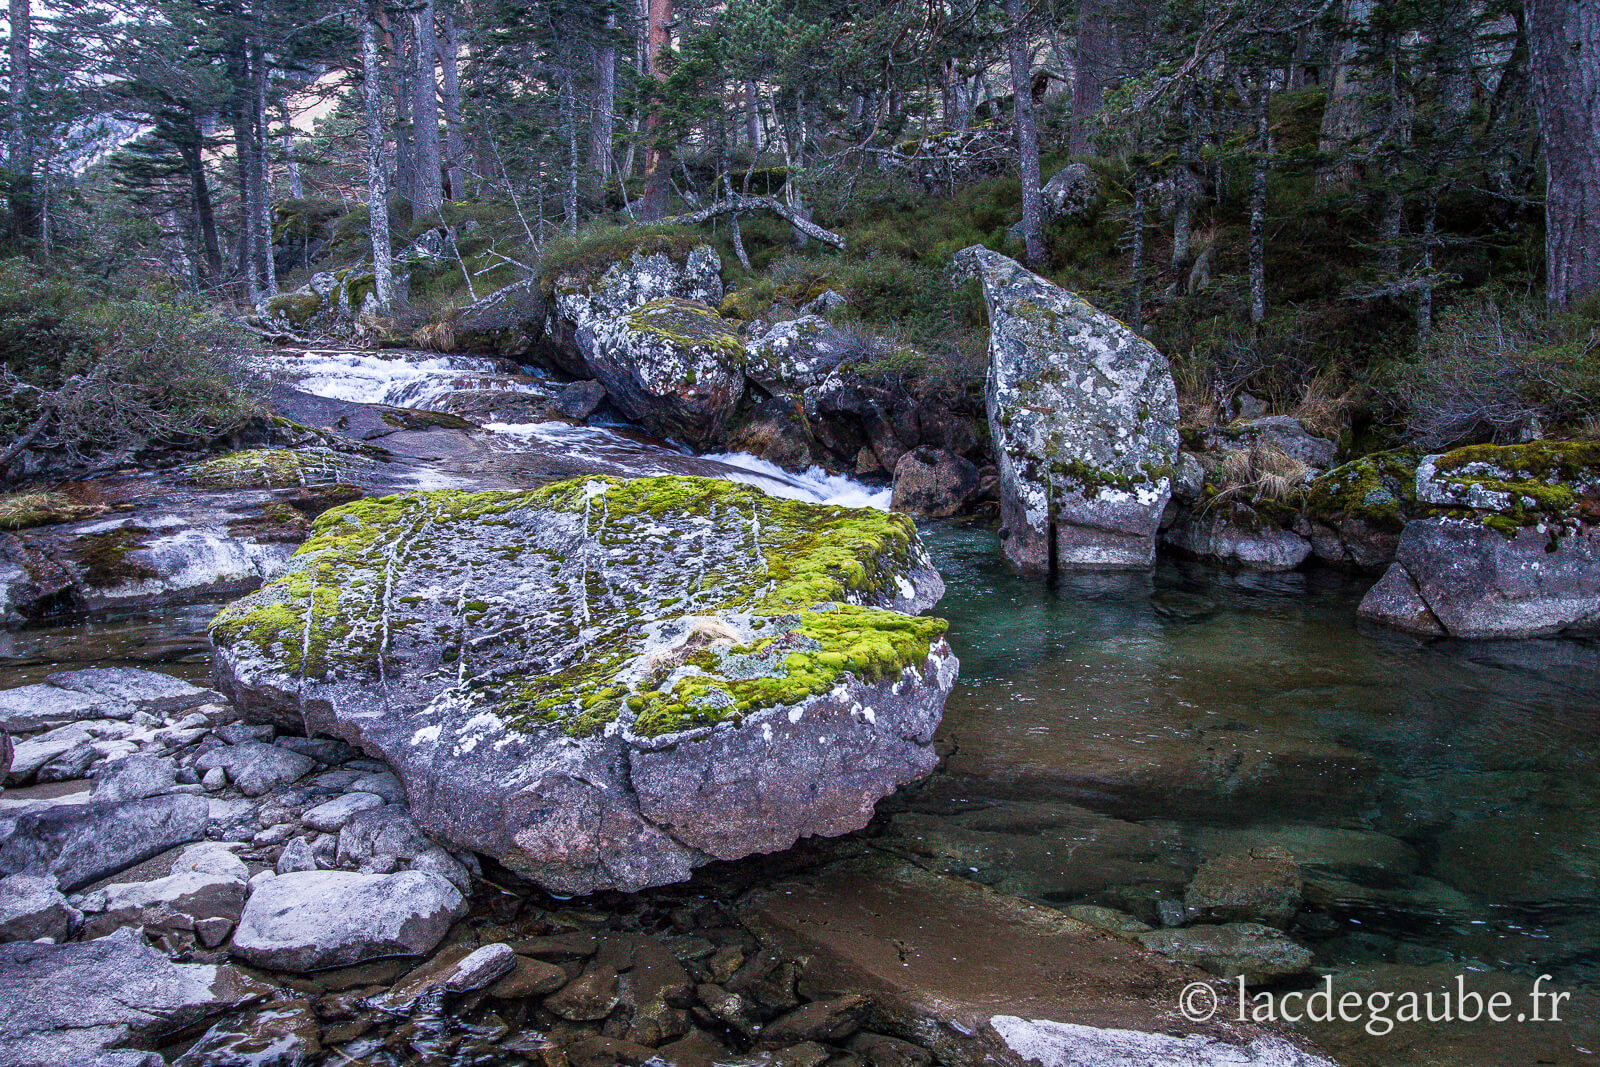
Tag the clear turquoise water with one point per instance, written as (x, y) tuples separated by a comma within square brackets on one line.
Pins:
[(1109, 732)]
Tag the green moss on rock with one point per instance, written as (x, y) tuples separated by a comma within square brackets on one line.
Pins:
[(296, 308), (1379, 489), (782, 610), (688, 324), (107, 558), (273, 468)]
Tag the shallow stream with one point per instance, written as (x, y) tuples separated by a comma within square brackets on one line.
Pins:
[(1110, 732)]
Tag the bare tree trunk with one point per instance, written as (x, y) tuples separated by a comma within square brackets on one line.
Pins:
[(190, 149), (263, 166), (1347, 118), (1430, 221), (455, 149), (752, 118), (1187, 193), (427, 192), (291, 165), (1099, 55), (377, 166), (26, 219), (1564, 44), (569, 125), (1258, 204), (1141, 184), (657, 160), (250, 238), (403, 71), (602, 128), (1027, 131)]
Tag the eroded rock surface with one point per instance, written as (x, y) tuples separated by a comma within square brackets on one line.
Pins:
[(607, 683), (1084, 415)]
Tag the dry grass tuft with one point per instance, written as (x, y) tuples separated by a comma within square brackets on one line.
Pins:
[(1260, 473), (19, 511)]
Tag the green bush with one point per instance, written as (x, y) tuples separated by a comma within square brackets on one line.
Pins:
[(93, 375)]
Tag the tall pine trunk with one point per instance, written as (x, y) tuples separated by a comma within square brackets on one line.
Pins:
[(1099, 55), (377, 168), (1564, 45), (21, 193), (191, 151), (402, 63), (1027, 131), (262, 175), (1258, 202), (455, 144), (602, 127), (657, 160), (427, 193)]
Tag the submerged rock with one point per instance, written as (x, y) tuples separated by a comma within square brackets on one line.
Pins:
[(1232, 950), (606, 683), (1084, 416), (1236, 535)]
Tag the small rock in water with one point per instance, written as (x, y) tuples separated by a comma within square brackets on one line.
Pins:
[(145, 690), (82, 843), (456, 970), (1249, 950), (285, 1034), (1259, 885)]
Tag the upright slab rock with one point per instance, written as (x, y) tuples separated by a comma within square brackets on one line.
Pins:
[(606, 683), (1084, 416)]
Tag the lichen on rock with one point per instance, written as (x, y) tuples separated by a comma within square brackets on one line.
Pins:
[(277, 468), (505, 649), (1083, 412)]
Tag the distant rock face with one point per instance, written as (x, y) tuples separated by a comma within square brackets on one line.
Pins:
[(674, 366), (1512, 549), (1084, 416), (605, 683)]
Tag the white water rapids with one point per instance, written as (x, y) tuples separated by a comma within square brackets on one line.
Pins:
[(424, 381)]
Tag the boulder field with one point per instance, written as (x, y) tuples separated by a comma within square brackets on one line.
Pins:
[(605, 683)]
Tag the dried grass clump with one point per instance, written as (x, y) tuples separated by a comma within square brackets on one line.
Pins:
[(18, 511), (1262, 473)]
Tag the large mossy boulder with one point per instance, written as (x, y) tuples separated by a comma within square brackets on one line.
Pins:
[(1084, 414), (674, 366), (581, 297), (1510, 547), (606, 683)]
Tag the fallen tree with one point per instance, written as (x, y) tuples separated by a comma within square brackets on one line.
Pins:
[(743, 205)]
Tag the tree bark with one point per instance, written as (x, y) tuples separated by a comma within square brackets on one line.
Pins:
[(1098, 56), (603, 125), (1564, 47), (377, 169), (427, 192), (455, 149), (262, 174), (402, 58), (25, 215), (190, 149), (569, 126), (1347, 119), (1027, 131), (752, 118), (1258, 204), (657, 160)]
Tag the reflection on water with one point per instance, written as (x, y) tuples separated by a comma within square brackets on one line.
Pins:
[(169, 639), (1110, 732)]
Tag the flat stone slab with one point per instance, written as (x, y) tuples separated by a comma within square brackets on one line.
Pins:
[(147, 690), (30, 708), (82, 843), (980, 977), (60, 1003)]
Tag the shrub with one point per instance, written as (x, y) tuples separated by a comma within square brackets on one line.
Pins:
[(1501, 367), (87, 376)]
